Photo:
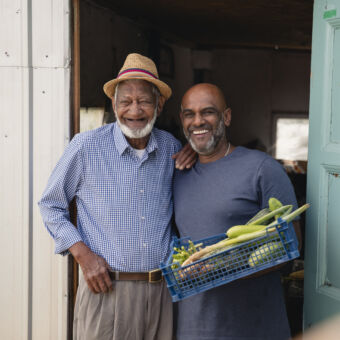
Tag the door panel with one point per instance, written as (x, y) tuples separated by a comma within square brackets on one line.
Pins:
[(322, 258), (332, 244), (335, 119)]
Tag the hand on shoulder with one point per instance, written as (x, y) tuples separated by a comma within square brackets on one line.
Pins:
[(185, 158)]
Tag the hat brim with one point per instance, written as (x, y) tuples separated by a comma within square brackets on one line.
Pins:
[(110, 87)]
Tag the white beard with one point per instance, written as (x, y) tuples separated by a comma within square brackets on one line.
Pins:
[(138, 133)]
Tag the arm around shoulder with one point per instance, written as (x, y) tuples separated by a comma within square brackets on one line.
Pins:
[(185, 158)]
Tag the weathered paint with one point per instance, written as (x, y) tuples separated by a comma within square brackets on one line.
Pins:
[(329, 14)]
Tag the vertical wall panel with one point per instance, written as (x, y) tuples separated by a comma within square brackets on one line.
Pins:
[(14, 221), (14, 180), (34, 129), (50, 31), (51, 92), (50, 137), (13, 37)]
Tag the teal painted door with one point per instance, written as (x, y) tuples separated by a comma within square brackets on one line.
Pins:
[(322, 257)]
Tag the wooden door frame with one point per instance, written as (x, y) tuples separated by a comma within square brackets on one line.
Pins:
[(73, 273)]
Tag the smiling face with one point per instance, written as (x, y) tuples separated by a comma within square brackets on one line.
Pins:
[(204, 117), (136, 107)]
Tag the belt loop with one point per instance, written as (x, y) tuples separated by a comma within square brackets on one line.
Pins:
[(116, 276)]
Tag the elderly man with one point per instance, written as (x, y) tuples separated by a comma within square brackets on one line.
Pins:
[(121, 176), (227, 186)]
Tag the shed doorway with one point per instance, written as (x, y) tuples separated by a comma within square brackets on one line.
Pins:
[(257, 52)]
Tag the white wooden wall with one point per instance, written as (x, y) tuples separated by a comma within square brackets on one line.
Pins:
[(34, 129)]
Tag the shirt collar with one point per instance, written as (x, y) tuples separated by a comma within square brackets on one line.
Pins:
[(122, 144), (152, 144)]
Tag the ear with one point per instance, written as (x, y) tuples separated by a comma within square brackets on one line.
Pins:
[(181, 114), (161, 102), (227, 117)]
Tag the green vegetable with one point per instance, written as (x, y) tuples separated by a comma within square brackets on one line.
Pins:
[(290, 217), (260, 214), (288, 211), (239, 235), (274, 204), (224, 243), (182, 254), (217, 251), (267, 252), (238, 230), (267, 217)]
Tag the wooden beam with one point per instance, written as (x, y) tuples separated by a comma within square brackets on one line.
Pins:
[(73, 273)]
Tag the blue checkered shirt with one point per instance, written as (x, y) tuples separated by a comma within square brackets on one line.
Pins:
[(124, 203)]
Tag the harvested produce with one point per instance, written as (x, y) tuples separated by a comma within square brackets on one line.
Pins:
[(238, 230), (274, 203), (222, 245), (290, 217), (266, 218), (260, 214), (265, 253), (263, 223), (182, 254)]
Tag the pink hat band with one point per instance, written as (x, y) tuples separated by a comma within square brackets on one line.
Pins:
[(136, 70)]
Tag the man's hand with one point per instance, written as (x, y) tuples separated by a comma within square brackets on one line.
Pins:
[(185, 158), (94, 267)]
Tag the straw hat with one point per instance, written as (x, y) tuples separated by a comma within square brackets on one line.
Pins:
[(137, 66)]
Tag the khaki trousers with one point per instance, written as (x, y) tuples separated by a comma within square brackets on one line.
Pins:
[(133, 310)]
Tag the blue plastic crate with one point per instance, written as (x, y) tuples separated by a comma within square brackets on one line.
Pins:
[(231, 264)]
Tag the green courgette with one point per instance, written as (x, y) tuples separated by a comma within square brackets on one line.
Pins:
[(267, 252)]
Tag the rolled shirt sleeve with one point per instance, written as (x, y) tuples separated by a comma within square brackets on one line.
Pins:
[(61, 188)]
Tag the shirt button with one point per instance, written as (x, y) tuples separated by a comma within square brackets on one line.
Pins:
[(144, 244), (143, 218), (141, 191)]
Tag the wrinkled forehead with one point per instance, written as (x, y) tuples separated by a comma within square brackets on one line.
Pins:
[(134, 86)]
